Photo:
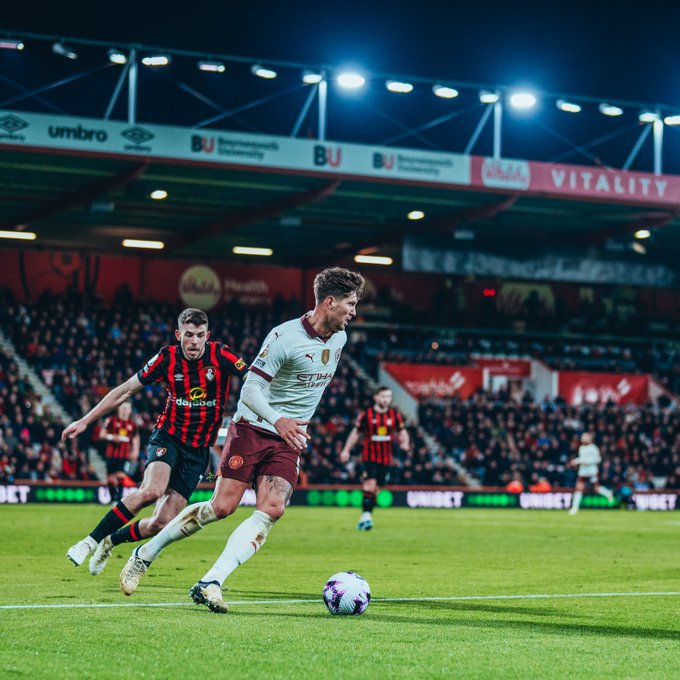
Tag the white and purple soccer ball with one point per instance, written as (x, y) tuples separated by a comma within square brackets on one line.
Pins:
[(346, 593)]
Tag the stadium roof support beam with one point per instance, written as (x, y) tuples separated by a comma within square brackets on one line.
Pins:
[(252, 215), (78, 197)]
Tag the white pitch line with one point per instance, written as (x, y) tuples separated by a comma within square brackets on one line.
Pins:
[(461, 598)]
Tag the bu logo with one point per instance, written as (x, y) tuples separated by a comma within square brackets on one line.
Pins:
[(202, 144), (383, 161), (327, 155)]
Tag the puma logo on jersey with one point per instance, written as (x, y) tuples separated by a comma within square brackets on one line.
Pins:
[(310, 357)]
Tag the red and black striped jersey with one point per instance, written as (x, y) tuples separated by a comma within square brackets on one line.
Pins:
[(122, 428), (197, 390), (378, 429)]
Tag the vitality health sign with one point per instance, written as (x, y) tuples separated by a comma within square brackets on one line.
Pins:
[(88, 135)]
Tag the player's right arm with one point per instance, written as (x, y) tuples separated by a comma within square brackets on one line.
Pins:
[(353, 438), (110, 402)]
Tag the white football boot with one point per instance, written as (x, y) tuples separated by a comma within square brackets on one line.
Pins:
[(101, 557), (79, 552)]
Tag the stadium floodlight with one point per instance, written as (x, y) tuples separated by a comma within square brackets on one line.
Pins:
[(639, 248), (648, 116), (523, 100), (311, 77), (247, 250), (139, 243), (350, 80), (373, 259), (610, 109), (488, 97), (20, 235), (569, 107), (117, 56), (156, 60), (212, 66), (416, 215), (10, 44), (64, 50), (263, 72), (444, 91), (642, 233), (158, 194), (672, 120), (399, 86)]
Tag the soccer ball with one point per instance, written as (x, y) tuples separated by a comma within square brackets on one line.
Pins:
[(346, 593)]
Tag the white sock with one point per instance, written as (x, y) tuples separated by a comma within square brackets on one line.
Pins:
[(576, 502), (244, 542), (604, 491), (192, 519)]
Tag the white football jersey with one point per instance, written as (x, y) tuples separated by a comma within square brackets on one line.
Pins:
[(589, 458), (298, 364)]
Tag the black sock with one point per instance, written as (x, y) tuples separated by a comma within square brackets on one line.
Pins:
[(113, 490), (369, 501), (128, 534), (114, 519), (119, 492)]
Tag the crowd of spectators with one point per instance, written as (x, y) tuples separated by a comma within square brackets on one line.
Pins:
[(29, 438), (82, 347), (500, 440)]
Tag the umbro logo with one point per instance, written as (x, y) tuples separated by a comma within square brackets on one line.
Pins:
[(179, 377), (137, 135)]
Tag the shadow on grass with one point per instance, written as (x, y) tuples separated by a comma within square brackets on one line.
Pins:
[(449, 618)]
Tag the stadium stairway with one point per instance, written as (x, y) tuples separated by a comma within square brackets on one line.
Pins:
[(431, 443), (50, 403)]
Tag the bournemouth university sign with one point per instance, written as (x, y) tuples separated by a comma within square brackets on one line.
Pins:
[(288, 154)]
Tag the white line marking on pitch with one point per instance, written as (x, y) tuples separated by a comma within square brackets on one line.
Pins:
[(462, 598)]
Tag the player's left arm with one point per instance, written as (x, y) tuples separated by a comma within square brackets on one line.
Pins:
[(403, 435), (233, 363)]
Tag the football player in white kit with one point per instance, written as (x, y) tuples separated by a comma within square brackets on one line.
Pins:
[(588, 460), (269, 431)]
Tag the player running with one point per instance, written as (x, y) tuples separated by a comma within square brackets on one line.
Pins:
[(122, 448), (376, 425), (284, 386), (588, 460), (196, 374)]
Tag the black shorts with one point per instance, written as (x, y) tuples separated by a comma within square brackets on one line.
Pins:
[(377, 471), (188, 463), (114, 465)]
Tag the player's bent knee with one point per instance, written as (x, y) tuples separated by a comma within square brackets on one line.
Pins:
[(222, 508), (274, 510)]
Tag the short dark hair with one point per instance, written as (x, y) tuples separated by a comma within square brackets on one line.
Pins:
[(192, 315), (381, 388), (337, 282)]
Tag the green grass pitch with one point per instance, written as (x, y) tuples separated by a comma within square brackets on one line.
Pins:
[(416, 554)]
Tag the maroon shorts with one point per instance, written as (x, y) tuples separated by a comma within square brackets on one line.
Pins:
[(588, 480), (250, 452)]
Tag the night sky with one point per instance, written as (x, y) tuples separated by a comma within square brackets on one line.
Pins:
[(605, 50)]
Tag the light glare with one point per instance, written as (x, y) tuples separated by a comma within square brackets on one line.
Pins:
[(648, 116), (138, 243), (487, 97), (20, 235), (416, 215), (262, 72), (642, 233), (211, 66), (157, 60), (523, 100), (398, 86), (373, 259), (444, 91), (8, 44), (672, 120), (610, 110), (311, 77), (117, 57), (158, 194), (569, 107), (247, 250), (351, 81)]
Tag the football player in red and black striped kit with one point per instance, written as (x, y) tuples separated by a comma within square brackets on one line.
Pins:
[(196, 374), (376, 425), (122, 447)]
